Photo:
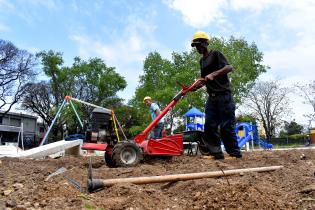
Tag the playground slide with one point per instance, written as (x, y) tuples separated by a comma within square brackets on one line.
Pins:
[(242, 141), (45, 150), (263, 144), (9, 151), (247, 128)]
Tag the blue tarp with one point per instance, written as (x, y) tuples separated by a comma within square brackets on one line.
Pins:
[(194, 112)]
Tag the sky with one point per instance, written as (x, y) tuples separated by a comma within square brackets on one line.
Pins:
[(123, 32)]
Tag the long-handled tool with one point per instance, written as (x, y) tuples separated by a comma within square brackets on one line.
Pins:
[(97, 184)]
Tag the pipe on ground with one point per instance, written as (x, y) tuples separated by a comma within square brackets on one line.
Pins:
[(97, 184)]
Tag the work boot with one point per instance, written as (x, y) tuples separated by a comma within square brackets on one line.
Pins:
[(236, 155), (219, 157), (214, 157)]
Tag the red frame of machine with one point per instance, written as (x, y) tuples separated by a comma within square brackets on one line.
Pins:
[(166, 146)]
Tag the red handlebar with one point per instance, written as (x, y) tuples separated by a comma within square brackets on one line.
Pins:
[(196, 85)]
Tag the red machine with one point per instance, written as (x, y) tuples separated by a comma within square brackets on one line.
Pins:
[(130, 152)]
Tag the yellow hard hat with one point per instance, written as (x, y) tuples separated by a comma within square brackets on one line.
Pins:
[(147, 98), (198, 36)]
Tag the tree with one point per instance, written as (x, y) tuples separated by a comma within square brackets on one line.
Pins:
[(246, 60), (52, 66), (128, 117), (291, 128), (91, 81), (308, 91), (39, 99), (16, 69), (246, 118), (160, 76), (268, 102), (161, 81)]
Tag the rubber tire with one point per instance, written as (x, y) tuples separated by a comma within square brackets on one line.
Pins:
[(202, 147), (121, 147), (109, 161)]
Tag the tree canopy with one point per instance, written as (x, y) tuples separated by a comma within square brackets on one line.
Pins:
[(91, 81), (16, 70), (291, 128)]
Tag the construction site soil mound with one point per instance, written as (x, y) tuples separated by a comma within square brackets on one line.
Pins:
[(24, 184)]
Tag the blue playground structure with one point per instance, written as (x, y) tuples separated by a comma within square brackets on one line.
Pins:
[(246, 132), (194, 120)]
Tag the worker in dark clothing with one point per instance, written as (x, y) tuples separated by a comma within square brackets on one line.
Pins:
[(220, 107)]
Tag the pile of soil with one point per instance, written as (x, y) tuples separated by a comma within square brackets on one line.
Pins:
[(23, 185)]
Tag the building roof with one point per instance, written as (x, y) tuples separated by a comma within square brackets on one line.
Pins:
[(18, 114)]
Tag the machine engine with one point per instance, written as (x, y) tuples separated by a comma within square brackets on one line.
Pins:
[(100, 128)]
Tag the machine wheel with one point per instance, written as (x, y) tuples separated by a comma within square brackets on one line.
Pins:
[(109, 161), (126, 154), (203, 148)]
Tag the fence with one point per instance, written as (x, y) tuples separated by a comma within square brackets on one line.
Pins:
[(286, 142)]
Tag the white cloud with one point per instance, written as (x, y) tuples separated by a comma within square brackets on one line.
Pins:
[(28, 10), (289, 15), (254, 5), (294, 61), (198, 13), (300, 17), (124, 49), (126, 57), (114, 53)]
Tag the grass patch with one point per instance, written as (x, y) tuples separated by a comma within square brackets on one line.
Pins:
[(276, 146), (89, 206)]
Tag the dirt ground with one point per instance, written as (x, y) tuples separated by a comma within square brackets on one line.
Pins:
[(23, 185)]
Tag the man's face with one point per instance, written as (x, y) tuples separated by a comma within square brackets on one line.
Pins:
[(148, 102), (201, 47)]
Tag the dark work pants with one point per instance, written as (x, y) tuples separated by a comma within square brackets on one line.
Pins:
[(220, 112), (157, 131)]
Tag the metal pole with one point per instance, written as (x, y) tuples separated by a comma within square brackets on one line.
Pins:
[(116, 130), (258, 136), (22, 137), (83, 102), (17, 147), (122, 131), (76, 113), (186, 121), (53, 122), (252, 134)]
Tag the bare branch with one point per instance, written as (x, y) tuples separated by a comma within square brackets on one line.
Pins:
[(268, 102), (16, 69)]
